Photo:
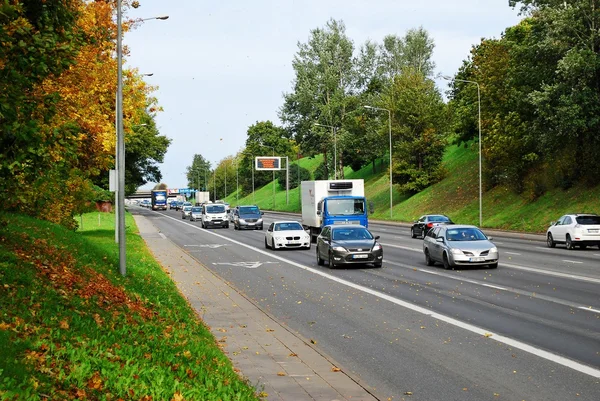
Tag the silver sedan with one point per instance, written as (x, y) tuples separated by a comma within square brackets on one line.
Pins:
[(459, 245)]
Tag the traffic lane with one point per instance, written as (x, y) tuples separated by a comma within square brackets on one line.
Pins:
[(521, 252), (329, 314), (470, 301), (471, 293)]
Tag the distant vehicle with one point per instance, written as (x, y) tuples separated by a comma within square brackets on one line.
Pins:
[(459, 245), (426, 222), (202, 197), (286, 234), (158, 198), (214, 215), (196, 213), (173, 204), (345, 245), (326, 202), (145, 203), (179, 205), (186, 211), (247, 217), (581, 230)]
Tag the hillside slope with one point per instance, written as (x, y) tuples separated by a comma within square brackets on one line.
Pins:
[(457, 196)]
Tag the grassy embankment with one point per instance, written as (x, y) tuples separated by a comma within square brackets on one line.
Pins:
[(71, 327), (457, 195)]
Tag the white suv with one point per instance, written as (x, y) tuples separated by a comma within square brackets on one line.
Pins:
[(575, 230), (214, 215)]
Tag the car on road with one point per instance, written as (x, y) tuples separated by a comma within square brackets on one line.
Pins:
[(214, 215), (427, 222), (196, 213), (247, 217), (173, 204), (459, 245), (186, 211), (178, 205), (575, 230), (145, 203), (286, 234), (348, 245)]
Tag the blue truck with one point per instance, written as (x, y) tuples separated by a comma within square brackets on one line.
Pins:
[(326, 202), (158, 199)]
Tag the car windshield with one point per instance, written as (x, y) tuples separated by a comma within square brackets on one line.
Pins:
[(249, 210), (588, 220), (351, 233), (288, 226), (465, 234), (215, 209), (197, 209), (438, 218), (346, 207), (187, 208)]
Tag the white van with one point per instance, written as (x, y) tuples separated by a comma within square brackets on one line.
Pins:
[(214, 215)]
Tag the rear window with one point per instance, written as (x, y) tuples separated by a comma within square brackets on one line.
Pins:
[(197, 209), (438, 218), (588, 220), (249, 210)]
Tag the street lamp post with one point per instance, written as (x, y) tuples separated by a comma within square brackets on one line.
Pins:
[(120, 151), (390, 132), (334, 147), (479, 112)]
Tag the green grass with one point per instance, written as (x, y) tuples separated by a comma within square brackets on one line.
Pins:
[(71, 327), (457, 195)]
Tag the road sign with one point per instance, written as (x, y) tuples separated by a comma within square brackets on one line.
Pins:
[(268, 163)]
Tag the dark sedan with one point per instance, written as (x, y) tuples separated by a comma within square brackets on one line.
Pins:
[(348, 244), (421, 227)]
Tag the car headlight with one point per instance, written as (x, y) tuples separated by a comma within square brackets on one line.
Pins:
[(259, 220), (455, 251), (208, 218), (494, 250), (376, 247), (339, 248), (242, 220)]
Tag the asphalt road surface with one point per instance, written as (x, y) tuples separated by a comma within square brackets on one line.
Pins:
[(529, 330)]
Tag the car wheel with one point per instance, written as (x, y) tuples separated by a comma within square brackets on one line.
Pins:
[(428, 260), (273, 244), (227, 225), (320, 261), (550, 241), (493, 265), (569, 242), (331, 261), (378, 264), (446, 262), (583, 246), (266, 244), (412, 233)]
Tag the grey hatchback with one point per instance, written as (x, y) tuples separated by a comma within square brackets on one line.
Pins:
[(348, 244), (459, 245)]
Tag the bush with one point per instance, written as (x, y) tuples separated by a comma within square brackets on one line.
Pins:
[(297, 174)]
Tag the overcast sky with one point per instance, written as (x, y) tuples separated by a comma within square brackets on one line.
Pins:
[(223, 65)]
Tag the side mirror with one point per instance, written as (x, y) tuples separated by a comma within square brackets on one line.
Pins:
[(377, 237), (371, 207), (552, 223), (440, 239), (490, 238), (262, 213)]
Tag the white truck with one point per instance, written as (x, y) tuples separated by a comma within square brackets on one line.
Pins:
[(326, 202), (202, 197)]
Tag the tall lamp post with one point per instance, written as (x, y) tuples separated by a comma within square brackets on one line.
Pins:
[(390, 132), (334, 147), (448, 78), (121, 140)]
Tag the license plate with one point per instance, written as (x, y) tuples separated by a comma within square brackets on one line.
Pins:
[(360, 256), (593, 231), (477, 259)]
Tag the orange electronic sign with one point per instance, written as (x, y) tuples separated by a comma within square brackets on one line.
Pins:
[(267, 163)]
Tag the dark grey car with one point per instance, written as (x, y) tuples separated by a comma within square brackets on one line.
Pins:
[(348, 244), (247, 217)]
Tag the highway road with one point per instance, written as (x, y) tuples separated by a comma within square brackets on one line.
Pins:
[(529, 330)]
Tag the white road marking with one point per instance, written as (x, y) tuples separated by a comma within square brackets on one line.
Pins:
[(572, 261), (162, 236), (248, 265), (472, 328), (512, 253), (589, 309), (211, 246)]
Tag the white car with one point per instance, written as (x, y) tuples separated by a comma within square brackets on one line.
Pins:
[(214, 215), (573, 230), (286, 234)]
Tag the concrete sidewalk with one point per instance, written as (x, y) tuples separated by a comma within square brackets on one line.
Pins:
[(276, 362)]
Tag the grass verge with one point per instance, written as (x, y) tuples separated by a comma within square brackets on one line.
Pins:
[(71, 327)]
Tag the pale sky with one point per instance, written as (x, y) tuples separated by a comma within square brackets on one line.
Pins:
[(223, 65)]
